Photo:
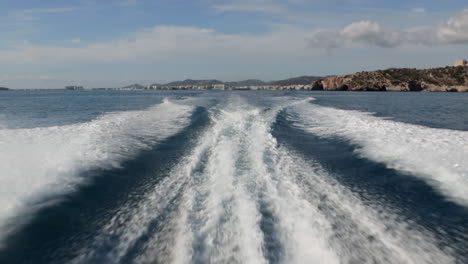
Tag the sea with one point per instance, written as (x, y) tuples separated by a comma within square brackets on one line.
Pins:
[(233, 177)]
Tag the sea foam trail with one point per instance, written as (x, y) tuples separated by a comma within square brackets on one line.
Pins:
[(320, 221), (46, 161), (238, 197), (438, 156), (219, 219), (211, 218), (361, 232)]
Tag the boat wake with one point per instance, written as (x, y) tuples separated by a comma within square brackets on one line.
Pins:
[(240, 197), (437, 156), (38, 164)]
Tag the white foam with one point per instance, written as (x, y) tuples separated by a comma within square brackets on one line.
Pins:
[(214, 213), (438, 156), (295, 191), (302, 231), (215, 194), (222, 206), (362, 233), (46, 161), (224, 221)]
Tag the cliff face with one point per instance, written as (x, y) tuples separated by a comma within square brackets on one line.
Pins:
[(448, 79)]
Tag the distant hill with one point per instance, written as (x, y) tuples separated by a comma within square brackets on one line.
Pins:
[(301, 80), (190, 82), (451, 79), (250, 82), (4, 89)]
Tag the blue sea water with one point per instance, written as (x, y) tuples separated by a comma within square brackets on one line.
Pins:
[(233, 177)]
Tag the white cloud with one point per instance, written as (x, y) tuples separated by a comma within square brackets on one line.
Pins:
[(452, 31), (33, 13), (75, 40), (419, 10), (162, 53), (455, 29), (166, 42), (6, 78), (129, 2), (262, 6)]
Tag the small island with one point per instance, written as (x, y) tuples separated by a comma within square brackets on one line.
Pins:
[(4, 89)]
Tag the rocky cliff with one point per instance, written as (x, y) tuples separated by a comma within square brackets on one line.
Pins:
[(448, 79)]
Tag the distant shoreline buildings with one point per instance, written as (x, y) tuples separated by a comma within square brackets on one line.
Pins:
[(463, 63), (219, 87), (449, 78), (74, 87)]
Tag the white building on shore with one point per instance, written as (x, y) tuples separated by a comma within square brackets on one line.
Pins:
[(461, 63), (218, 87)]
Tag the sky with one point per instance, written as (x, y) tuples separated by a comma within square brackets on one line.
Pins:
[(53, 43)]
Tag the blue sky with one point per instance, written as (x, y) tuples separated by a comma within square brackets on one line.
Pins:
[(52, 43)]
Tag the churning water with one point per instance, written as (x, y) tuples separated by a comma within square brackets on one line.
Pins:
[(233, 177)]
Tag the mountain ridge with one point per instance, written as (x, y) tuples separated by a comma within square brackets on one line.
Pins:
[(300, 80)]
